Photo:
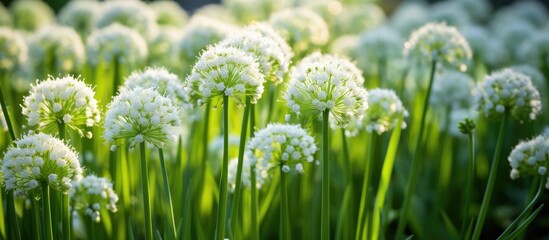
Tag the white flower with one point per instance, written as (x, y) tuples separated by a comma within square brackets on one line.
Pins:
[(91, 194), (133, 14), (57, 100), (13, 49), (39, 158), (301, 27), (116, 42), (30, 15), (384, 110), (169, 13), (80, 15), (246, 175), (530, 157), (375, 45)]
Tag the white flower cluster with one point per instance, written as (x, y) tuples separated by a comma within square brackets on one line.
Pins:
[(133, 14), (273, 58), (530, 158), (30, 15), (116, 42), (164, 82), (438, 42), (246, 180), (537, 77), (280, 145), (80, 15), (378, 44), (91, 194), (452, 89), (169, 13), (301, 27), (40, 158), (508, 91), (384, 110), (65, 100), (13, 49), (326, 83), (140, 115), (57, 47), (225, 71)]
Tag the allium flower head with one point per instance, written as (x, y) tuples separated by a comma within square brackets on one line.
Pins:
[(225, 71), (80, 15), (39, 158), (508, 91), (116, 42), (30, 15), (325, 83), (452, 89), (140, 115), (260, 175), (133, 14), (381, 43), (92, 194), (530, 158), (281, 145), (384, 110), (59, 46), (273, 58), (169, 13), (65, 100), (301, 27), (13, 49), (438, 42)]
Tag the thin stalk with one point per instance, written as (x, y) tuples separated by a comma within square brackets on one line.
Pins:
[(362, 225), (66, 215), (222, 210), (36, 220), (469, 187), (46, 215), (325, 211), (403, 81), (255, 224), (167, 196), (491, 181), (238, 185), (417, 161), (6, 115), (284, 210), (145, 189), (520, 229), (386, 173), (347, 206), (381, 66), (116, 75)]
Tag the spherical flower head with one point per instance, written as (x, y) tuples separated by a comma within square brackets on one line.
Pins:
[(133, 14), (13, 49), (508, 91), (30, 15), (325, 84), (169, 13), (537, 77), (92, 194), (530, 158), (36, 159), (301, 27), (246, 175), (200, 32), (116, 42), (225, 71), (378, 44), (272, 59), (282, 146), (66, 100), (164, 82), (384, 111), (140, 115), (80, 15), (59, 44), (438, 42), (452, 89)]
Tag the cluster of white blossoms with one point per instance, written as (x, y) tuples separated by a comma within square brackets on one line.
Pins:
[(133, 14), (36, 159), (378, 44), (530, 158), (116, 42), (508, 91), (452, 89), (30, 15), (57, 47), (260, 175), (281, 146), (80, 15), (66, 100), (384, 111), (169, 13), (13, 49), (164, 82), (140, 115), (273, 58), (438, 42), (301, 27), (225, 71), (326, 83), (91, 194)]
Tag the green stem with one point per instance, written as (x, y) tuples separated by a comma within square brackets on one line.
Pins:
[(403, 81), (222, 211), (116, 75), (67, 231), (62, 130), (255, 224), (167, 196), (46, 216), (362, 225), (284, 211), (7, 116), (347, 206), (145, 189), (381, 66), (238, 185), (325, 212), (386, 172), (36, 220), (469, 187), (417, 161), (491, 181)]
